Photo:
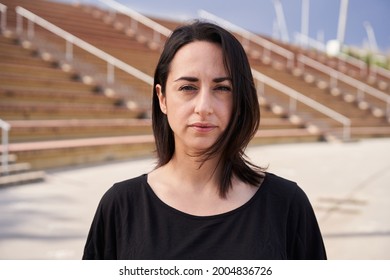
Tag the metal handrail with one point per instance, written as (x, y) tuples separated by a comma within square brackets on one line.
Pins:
[(249, 36), (156, 27), (297, 96), (336, 76), (345, 58), (374, 70), (3, 22), (5, 128), (73, 40)]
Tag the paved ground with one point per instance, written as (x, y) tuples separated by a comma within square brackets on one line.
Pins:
[(348, 185)]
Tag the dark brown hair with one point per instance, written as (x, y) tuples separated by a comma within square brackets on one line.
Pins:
[(245, 117)]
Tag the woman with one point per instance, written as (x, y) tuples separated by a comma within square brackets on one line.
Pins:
[(204, 200)]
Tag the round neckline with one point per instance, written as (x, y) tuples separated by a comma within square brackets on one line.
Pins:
[(206, 217)]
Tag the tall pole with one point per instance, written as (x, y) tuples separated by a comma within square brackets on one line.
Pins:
[(281, 20), (305, 22), (371, 36), (342, 22)]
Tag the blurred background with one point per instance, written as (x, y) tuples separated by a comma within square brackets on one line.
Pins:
[(75, 96)]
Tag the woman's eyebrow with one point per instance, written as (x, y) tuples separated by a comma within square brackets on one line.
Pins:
[(222, 79), (194, 79), (188, 79)]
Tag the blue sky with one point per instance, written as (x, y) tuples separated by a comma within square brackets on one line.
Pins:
[(259, 16)]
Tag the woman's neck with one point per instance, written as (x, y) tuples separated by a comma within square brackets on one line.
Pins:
[(197, 174)]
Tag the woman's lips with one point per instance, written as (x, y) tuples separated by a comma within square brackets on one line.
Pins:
[(203, 127)]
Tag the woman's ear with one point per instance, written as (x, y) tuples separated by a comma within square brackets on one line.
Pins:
[(161, 99)]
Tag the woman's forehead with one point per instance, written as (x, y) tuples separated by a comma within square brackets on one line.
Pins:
[(199, 57)]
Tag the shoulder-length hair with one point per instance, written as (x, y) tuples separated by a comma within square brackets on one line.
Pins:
[(245, 117)]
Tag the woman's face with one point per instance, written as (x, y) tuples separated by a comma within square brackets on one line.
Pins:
[(198, 97)]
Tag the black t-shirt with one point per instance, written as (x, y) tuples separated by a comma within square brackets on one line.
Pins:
[(278, 222)]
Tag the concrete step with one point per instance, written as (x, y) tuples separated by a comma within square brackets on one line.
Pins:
[(61, 153), (64, 111), (45, 71), (279, 123), (364, 132), (21, 178), (43, 82), (41, 130), (24, 95), (291, 135), (21, 58), (14, 168)]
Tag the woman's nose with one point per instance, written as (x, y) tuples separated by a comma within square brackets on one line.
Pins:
[(204, 104)]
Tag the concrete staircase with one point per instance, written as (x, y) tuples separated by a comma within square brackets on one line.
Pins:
[(65, 113)]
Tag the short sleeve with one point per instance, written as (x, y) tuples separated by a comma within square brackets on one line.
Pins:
[(100, 242), (304, 238)]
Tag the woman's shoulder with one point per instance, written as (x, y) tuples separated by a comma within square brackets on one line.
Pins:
[(283, 188), (278, 183), (131, 184), (125, 190)]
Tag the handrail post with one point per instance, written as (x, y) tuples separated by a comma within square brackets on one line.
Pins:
[(5, 127), (293, 104), (360, 90), (347, 131), (3, 17), (30, 30), (19, 24), (110, 73), (69, 51)]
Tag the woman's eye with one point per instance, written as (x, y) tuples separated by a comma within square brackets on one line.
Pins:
[(224, 88), (187, 88)]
